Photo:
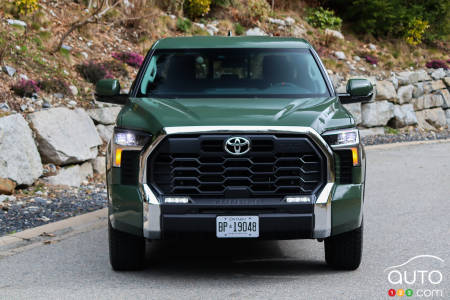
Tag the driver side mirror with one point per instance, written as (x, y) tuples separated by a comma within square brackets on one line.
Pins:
[(358, 90), (108, 90)]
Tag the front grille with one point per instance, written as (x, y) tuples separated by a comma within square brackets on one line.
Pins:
[(199, 167), (345, 170)]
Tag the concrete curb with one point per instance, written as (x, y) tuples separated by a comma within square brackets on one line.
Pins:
[(11, 244), (405, 144)]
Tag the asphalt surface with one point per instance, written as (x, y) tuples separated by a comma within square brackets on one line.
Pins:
[(406, 214)]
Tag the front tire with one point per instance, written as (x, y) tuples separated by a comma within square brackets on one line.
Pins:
[(126, 251), (344, 251)]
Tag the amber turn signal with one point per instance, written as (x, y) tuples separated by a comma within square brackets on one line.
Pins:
[(118, 157), (355, 156)]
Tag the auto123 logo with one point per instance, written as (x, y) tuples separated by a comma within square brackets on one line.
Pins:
[(420, 276)]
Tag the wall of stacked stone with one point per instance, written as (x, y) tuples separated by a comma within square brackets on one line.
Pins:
[(418, 98)]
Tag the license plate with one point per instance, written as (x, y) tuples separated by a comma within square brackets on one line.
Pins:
[(237, 226)]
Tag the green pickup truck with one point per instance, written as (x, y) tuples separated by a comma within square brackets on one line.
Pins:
[(234, 137)]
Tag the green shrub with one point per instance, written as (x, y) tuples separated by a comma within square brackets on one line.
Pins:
[(197, 8), (323, 18), (54, 85), (184, 25), (239, 29)]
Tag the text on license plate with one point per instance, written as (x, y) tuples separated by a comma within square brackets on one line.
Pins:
[(237, 226)]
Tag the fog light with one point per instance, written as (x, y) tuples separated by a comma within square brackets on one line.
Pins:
[(298, 199), (176, 200)]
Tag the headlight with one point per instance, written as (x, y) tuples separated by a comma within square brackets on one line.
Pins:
[(342, 138), (126, 140), (345, 139)]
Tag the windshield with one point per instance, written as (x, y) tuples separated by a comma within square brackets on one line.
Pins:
[(210, 73)]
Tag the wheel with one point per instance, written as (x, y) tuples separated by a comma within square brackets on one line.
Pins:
[(344, 251), (126, 251)]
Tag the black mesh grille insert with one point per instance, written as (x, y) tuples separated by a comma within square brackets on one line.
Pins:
[(345, 174), (130, 167), (198, 166)]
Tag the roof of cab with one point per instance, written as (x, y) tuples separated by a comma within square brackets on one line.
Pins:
[(218, 42)]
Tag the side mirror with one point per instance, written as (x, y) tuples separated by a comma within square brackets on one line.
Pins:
[(108, 90), (358, 90)]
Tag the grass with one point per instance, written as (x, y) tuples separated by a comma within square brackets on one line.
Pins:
[(390, 130)]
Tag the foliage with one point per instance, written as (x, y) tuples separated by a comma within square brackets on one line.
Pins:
[(371, 59), (184, 25), (25, 88), (93, 72), (238, 29), (393, 18), (437, 64), (117, 68), (130, 58), (26, 6), (250, 12), (54, 85), (416, 31), (323, 18), (197, 8)]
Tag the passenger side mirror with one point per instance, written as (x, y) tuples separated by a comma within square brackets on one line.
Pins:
[(108, 90), (358, 90)]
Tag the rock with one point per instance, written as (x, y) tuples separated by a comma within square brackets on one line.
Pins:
[(376, 113), (4, 198), (372, 47), (16, 22), (84, 54), (356, 58), (289, 21), (72, 103), (385, 90), (438, 74), (433, 100), (404, 115), (7, 186), (355, 110), (447, 81), (276, 21), (46, 104), (105, 116), (423, 75), (9, 70), (407, 77), (99, 165), (298, 31), (212, 29), (437, 85), (66, 47), (65, 136), (73, 89), (86, 170), (447, 114), (58, 95), (70, 176), (334, 33), (394, 81), (19, 157), (340, 55), (446, 98), (23, 77), (4, 106), (105, 132), (418, 90), (371, 131), (256, 31), (429, 119), (405, 94)]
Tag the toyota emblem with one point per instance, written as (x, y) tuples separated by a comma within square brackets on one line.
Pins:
[(237, 145)]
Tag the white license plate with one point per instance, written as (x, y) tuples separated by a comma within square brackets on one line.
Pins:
[(237, 226)]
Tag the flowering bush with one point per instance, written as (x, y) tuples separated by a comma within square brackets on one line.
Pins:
[(371, 59), (25, 88), (54, 85), (130, 58), (26, 6), (415, 32), (93, 72), (437, 64), (197, 8)]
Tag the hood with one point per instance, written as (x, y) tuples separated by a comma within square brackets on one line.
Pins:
[(151, 114)]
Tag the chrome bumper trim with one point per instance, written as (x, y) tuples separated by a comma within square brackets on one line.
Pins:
[(322, 206)]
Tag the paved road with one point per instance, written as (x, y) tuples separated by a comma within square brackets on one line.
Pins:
[(406, 214)]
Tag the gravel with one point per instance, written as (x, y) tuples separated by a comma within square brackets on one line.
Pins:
[(405, 137), (46, 207)]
